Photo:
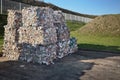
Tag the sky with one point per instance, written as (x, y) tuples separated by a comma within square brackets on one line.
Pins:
[(93, 7)]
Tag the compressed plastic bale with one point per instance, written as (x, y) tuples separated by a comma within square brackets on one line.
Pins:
[(43, 36), (58, 17), (37, 16), (10, 46), (10, 34), (72, 45), (14, 18), (38, 53), (48, 53), (66, 47), (63, 32), (62, 49), (11, 51)]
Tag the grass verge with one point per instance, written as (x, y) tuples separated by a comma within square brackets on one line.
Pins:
[(75, 25), (93, 42), (100, 43)]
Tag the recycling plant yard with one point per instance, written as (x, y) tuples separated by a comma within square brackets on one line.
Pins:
[(37, 43)]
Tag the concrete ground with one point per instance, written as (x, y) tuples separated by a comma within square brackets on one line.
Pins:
[(82, 65)]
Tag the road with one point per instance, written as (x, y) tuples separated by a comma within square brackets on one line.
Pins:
[(82, 65)]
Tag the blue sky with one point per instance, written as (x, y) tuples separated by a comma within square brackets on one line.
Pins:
[(94, 7)]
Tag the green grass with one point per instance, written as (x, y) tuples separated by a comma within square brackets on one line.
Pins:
[(92, 42), (100, 43), (74, 25), (1, 44)]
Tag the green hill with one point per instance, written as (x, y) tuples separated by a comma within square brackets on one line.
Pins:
[(106, 25)]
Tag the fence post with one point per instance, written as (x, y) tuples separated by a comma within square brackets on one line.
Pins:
[(70, 17), (65, 15), (77, 18), (20, 6), (1, 7), (74, 18)]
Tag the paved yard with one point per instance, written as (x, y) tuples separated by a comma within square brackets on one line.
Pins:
[(83, 65)]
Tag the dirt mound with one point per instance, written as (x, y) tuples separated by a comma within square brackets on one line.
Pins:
[(106, 25)]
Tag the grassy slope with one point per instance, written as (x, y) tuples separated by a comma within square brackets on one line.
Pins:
[(97, 42), (74, 25), (101, 34)]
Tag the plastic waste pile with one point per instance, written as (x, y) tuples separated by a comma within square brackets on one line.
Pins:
[(11, 35), (38, 35)]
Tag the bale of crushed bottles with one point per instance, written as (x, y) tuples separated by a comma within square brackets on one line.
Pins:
[(14, 19), (37, 16), (37, 35), (63, 33), (11, 49), (38, 53), (62, 30), (41, 35), (72, 45), (62, 49), (58, 17), (66, 47)]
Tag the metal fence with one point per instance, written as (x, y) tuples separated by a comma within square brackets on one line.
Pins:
[(76, 18), (7, 4)]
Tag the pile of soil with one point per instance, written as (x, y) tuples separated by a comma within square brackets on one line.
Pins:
[(106, 25)]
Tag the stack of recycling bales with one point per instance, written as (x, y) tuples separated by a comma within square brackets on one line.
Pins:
[(42, 37), (65, 44), (63, 34), (38, 35), (11, 35)]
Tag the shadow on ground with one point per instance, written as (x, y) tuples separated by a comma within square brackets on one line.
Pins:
[(94, 47), (68, 68)]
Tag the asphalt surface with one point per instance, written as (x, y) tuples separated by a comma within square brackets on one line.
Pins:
[(82, 65)]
